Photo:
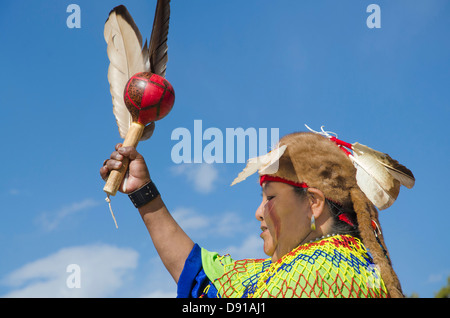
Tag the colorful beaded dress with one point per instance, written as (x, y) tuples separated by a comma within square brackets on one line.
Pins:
[(332, 267)]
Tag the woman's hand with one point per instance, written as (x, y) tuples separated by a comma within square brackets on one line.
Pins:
[(138, 174)]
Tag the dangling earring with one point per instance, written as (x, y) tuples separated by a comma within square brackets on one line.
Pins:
[(313, 223)]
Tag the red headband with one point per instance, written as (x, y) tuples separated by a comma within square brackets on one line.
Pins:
[(265, 178)]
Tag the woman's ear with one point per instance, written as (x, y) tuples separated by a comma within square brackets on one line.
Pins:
[(316, 200)]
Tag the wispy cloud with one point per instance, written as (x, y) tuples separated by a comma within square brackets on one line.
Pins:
[(13, 191), (156, 282), (50, 220), (190, 220), (221, 228), (438, 277), (222, 224), (203, 176), (110, 271), (103, 270), (251, 247)]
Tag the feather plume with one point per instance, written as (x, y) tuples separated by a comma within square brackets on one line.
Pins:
[(126, 59), (377, 174), (128, 56), (375, 181), (267, 163), (158, 40), (398, 171)]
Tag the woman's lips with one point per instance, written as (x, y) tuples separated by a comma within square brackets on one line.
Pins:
[(263, 230)]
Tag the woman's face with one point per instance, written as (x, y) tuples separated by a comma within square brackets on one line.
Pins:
[(285, 219)]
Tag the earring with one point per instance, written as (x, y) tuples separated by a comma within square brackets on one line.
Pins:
[(313, 223)]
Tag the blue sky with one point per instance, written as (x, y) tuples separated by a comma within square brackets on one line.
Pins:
[(251, 64)]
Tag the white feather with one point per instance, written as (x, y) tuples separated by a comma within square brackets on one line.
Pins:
[(403, 178), (267, 164), (396, 170), (127, 57), (373, 179)]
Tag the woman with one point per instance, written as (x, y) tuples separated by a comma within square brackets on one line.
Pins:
[(316, 223)]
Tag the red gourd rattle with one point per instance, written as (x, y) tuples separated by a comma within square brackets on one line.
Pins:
[(148, 97)]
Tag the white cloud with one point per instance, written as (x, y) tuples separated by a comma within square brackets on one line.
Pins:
[(14, 191), (110, 271), (51, 220), (229, 224), (251, 247), (158, 283), (161, 294), (203, 176), (190, 220), (437, 277), (103, 270), (220, 224)]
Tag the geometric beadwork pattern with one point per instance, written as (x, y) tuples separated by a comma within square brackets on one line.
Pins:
[(338, 266)]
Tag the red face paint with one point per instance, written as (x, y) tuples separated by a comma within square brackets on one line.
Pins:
[(271, 214)]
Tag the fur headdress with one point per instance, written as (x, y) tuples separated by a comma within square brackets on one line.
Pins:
[(356, 180)]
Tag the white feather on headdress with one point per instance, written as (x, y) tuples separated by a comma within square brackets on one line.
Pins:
[(377, 174), (265, 164)]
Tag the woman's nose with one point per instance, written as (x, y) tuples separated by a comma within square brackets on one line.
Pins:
[(259, 215)]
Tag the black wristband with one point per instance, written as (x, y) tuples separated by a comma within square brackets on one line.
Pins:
[(144, 195)]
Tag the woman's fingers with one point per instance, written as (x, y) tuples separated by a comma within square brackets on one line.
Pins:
[(116, 156), (104, 172), (138, 174), (119, 145), (129, 152), (108, 166), (113, 163)]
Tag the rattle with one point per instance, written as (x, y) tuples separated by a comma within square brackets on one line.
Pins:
[(148, 97), (136, 74)]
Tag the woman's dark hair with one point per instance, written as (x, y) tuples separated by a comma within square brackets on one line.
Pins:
[(345, 221)]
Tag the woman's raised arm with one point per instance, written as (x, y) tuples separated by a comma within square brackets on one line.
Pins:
[(171, 242)]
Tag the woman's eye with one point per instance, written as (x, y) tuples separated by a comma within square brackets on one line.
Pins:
[(270, 197)]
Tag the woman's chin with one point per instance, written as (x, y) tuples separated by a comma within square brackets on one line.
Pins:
[(268, 247)]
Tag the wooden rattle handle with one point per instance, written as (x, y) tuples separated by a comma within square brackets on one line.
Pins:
[(115, 178)]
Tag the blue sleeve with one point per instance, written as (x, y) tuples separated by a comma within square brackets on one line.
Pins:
[(193, 280)]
